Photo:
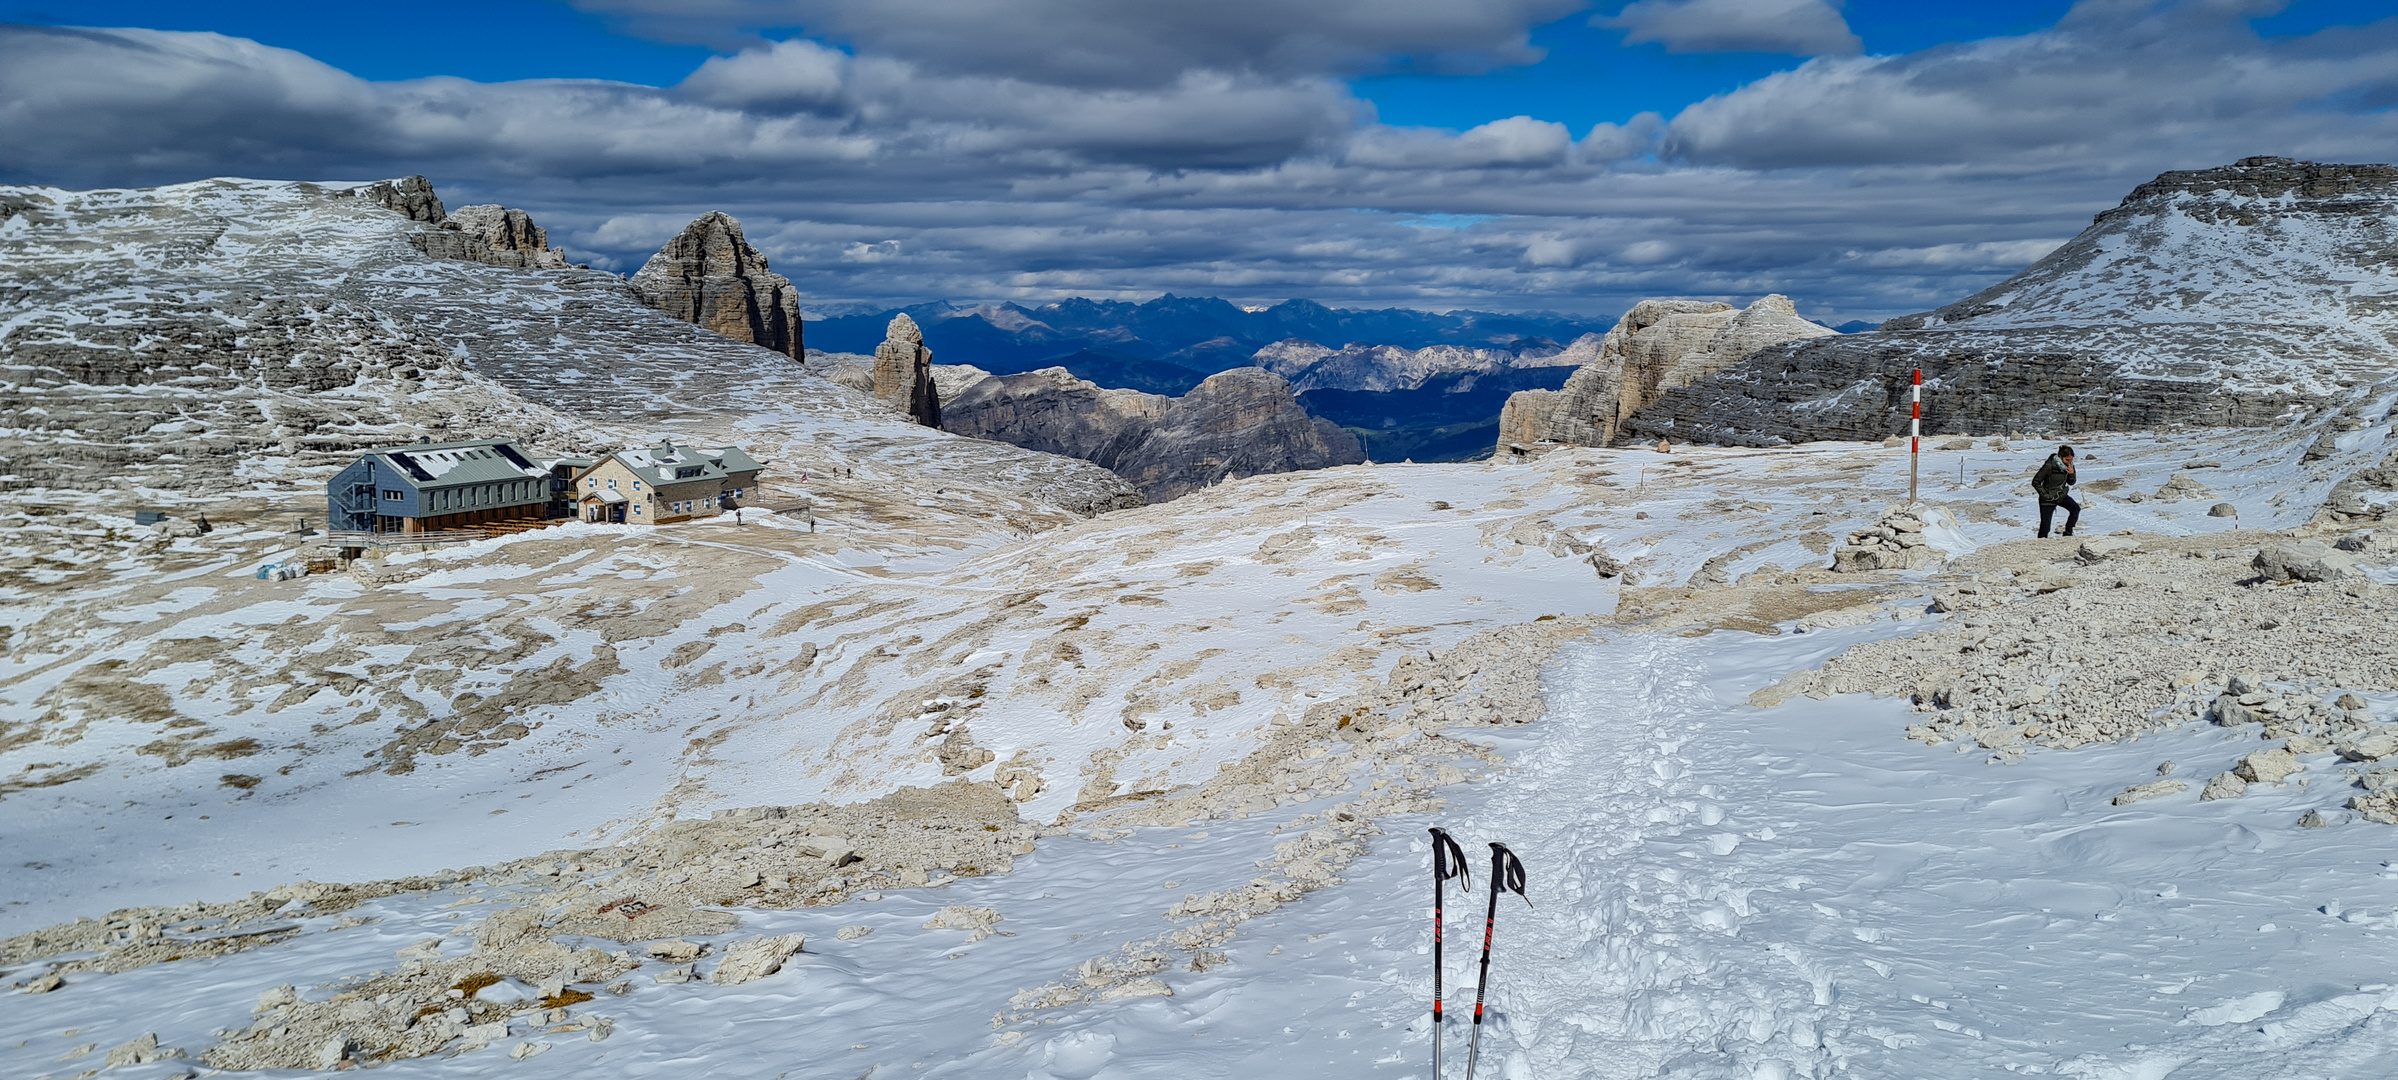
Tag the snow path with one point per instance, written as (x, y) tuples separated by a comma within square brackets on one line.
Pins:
[(1729, 892)]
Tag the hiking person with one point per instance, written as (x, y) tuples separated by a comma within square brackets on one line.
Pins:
[(2054, 485)]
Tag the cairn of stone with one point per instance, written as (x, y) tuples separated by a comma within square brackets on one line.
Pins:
[(709, 275), (1894, 543), (903, 372)]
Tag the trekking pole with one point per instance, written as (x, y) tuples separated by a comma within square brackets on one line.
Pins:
[(1448, 861), (1506, 875)]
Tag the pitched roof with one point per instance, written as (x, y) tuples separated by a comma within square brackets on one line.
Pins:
[(666, 463)]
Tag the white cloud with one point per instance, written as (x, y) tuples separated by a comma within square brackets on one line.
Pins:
[(786, 74), (1102, 43), (2115, 79), (1794, 27), (1615, 142), (1514, 143)]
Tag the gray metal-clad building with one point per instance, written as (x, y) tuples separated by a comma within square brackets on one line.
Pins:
[(432, 486)]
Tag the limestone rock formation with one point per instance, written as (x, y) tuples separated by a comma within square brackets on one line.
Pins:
[(1659, 345), (507, 237), (2225, 296), (709, 275), (411, 197), (494, 235), (903, 373), (1237, 423)]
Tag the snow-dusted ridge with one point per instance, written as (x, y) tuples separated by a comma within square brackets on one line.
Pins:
[(2235, 295)]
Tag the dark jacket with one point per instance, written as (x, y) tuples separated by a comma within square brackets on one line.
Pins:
[(2053, 480)]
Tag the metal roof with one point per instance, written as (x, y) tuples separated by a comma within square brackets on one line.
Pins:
[(459, 464)]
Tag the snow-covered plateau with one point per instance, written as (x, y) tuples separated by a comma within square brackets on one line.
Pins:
[(943, 778)]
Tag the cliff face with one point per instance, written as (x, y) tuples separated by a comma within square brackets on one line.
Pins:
[(903, 373), (2215, 296), (1237, 423), (709, 275), (1659, 345)]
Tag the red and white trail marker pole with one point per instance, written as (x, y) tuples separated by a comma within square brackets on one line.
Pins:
[(1915, 438)]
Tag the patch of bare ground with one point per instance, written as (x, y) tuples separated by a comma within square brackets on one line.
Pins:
[(2063, 643)]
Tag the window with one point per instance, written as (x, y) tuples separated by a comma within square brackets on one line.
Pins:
[(591, 483), (687, 472), (611, 484), (636, 485)]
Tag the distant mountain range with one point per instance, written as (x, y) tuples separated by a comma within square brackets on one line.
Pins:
[(1168, 344)]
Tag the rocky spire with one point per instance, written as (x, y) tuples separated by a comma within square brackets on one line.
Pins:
[(903, 372), (709, 275)]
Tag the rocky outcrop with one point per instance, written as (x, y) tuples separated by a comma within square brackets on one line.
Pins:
[(493, 235), (1237, 423), (709, 275), (1659, 345), (2226, 296), (410, 197), (903, 373), (506, 237)]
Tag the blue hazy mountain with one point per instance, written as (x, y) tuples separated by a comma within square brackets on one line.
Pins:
[(1168, 345), (1201, 334)]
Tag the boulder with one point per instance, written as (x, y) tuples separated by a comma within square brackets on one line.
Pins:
[(2150, 790), (976, 921), (2268, 766), (709, 275), (2223, 786), (2223, 510), (2373, 745), (2101, 548), (755, 958), (2304, 560), (676, 950)]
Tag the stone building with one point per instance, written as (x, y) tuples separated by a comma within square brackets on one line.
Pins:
[(429, 486), (664, 483)]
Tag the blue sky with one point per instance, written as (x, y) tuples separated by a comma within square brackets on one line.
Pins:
[(1868, 158)]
